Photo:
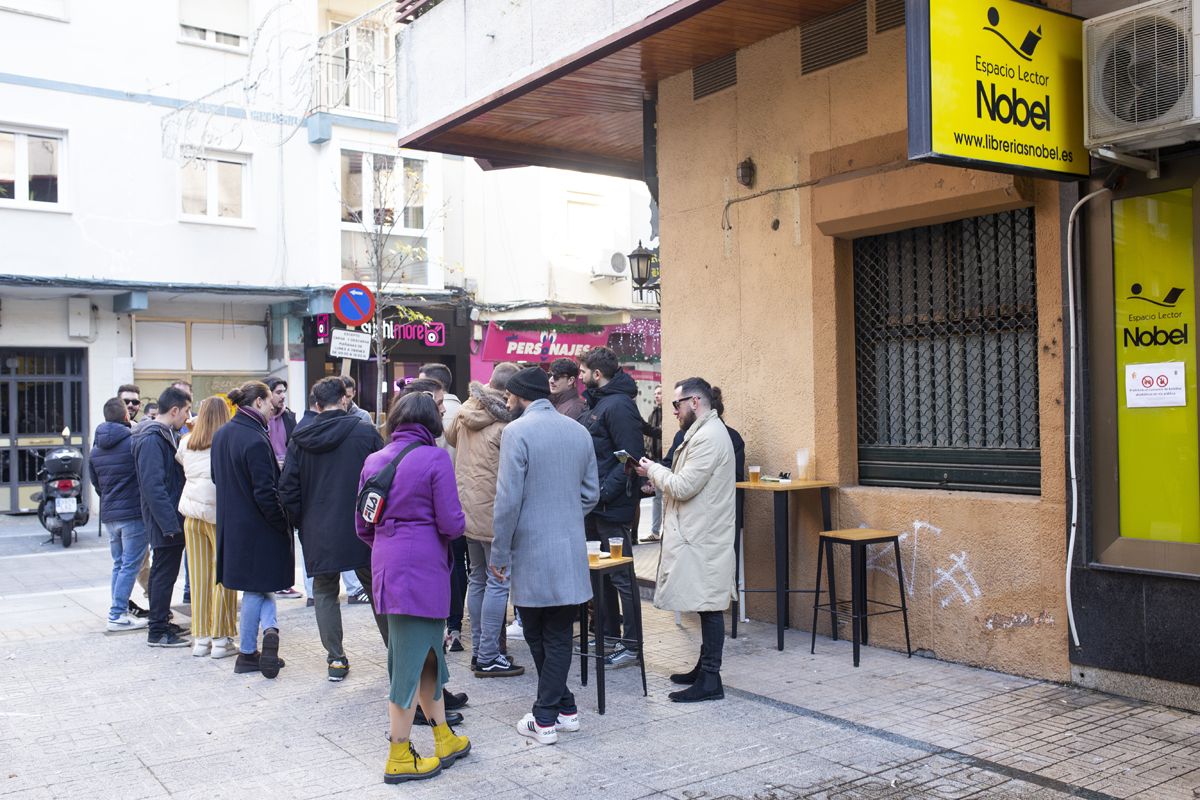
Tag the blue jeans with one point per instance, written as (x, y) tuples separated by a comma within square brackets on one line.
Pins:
[(258, 611), (487, 602), (127, 543)]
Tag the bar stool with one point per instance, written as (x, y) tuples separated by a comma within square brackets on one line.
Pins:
[(598, 572), (858, 539)]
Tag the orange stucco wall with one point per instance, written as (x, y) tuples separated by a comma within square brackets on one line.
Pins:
[(765, 311)]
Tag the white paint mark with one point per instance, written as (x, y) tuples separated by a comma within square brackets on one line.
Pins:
[(958, 582), (881, 557)]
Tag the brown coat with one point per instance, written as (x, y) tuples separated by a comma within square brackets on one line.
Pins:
[(475, 436), (569, 404)]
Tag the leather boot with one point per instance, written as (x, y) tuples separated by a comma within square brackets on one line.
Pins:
[(707, 687), (404, 763), (449, 746), (687, 678)]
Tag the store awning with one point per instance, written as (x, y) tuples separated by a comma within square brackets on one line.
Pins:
[(585, 111)]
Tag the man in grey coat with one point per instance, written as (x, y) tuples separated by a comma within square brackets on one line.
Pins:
[(546, 484)]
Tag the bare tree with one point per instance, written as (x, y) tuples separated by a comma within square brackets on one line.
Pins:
[(397, 202)]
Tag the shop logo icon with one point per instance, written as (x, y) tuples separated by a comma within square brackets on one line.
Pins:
[(1167, 302), (1032, 38), (435, 334)]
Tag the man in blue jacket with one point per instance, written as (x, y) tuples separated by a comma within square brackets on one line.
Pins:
[(115, 480), (615, 423), (160, 481)]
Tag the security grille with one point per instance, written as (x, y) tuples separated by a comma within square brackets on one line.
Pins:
[(947, 348)]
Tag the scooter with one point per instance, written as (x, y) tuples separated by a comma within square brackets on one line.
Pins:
[(60, 506)]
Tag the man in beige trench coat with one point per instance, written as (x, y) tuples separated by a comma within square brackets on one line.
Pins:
[(695, 569)]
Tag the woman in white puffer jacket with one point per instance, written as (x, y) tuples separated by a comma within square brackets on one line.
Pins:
[(214, 608)]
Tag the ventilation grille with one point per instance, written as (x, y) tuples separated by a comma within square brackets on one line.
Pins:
[(834, 38), (718, 74), (1139, 70), (889, 14)]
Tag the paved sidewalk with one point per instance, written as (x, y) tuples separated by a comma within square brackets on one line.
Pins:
[(89, 714)]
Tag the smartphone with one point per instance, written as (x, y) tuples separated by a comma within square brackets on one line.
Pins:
[(622, 456)]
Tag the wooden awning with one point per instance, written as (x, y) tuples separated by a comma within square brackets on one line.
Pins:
[(585, 111)]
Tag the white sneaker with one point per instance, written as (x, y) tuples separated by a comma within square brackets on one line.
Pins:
[(127, 623), (528, 727), (201, 646), (515, 631), (568, 723), (223, 647)]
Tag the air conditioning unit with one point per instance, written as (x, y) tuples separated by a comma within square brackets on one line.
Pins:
[(1142, 77), (617, 269)]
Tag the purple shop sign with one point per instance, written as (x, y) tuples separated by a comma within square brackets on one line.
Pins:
[(511, 345)]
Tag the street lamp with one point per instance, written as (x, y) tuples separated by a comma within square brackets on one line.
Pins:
[(639, 262)]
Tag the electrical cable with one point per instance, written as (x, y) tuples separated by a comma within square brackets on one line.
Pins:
[(1073, 381)]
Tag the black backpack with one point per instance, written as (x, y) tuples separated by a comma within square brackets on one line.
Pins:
[(373, 495)]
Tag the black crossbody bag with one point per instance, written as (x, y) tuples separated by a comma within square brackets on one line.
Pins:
[(372, 497)]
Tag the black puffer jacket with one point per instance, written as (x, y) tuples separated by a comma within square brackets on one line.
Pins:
[(160, 482), (615, 423), (113, 473), (319, 487)]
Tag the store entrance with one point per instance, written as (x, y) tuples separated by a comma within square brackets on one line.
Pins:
[(42, 391)]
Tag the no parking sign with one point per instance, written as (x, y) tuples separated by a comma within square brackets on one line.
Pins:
[(354, 304)]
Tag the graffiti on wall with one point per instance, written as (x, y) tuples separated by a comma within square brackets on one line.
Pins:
[(953, 582)]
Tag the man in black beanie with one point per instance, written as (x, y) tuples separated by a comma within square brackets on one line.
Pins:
[(545, 484)]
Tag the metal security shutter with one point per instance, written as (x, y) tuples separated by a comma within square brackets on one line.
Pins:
[(947, 356)]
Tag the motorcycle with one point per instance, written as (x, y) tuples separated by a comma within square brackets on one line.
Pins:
[(60, 503)]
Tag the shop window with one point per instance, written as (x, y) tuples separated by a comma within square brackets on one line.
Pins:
[(947, 356), (213, 189), (30, 168)]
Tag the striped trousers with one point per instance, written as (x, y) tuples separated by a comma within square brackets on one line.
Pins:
[(214, 608)]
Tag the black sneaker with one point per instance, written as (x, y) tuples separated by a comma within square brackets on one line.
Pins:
[(499, 667), (474, 663), (137, 611), (168, 639), (268, 659), (360, 599), (338, 669), (453, 701), (178, 630), (455, 638), (309, 603)]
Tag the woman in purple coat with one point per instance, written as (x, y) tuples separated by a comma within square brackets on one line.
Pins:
[(410, 569)]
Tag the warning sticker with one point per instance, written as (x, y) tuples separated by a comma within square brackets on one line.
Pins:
[(1155, 385)]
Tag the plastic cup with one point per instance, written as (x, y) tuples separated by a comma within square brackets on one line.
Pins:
[(803, 464), (755, 473), (593, 550), (616, 546)]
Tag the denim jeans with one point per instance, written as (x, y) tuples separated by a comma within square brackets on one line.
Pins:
[(258, 611), (127, 543), (164, 572), (487, 602), (458, 583)]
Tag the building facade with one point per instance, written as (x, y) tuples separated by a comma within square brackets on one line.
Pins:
[(904, 322)]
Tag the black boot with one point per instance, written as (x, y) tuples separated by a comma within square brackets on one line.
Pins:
[(452, 718), (707, 687), (687, 678)]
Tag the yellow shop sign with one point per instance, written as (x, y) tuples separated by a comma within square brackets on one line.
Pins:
[(996, 85)]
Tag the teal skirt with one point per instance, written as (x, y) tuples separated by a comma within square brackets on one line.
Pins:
[(410, 641)]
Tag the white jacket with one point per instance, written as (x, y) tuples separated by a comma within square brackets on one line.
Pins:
[(696, 568), (199, 498)]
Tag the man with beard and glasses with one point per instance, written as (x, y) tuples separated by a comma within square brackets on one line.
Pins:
[(615, 424), (696, 568)]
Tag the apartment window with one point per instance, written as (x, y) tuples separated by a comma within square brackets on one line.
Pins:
[(30, 168), (947, 356), (392, 194), (225, 23), (213, 188)]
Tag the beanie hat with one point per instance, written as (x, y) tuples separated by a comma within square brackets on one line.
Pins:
[(530, 384)]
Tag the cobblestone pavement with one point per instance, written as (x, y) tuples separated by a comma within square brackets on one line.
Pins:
[(89, 714)]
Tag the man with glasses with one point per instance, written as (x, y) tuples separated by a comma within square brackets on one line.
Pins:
[(696, 568), (131, 396), (564, 392), (615, 424)]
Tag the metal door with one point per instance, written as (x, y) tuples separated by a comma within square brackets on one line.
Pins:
[(42, 391)]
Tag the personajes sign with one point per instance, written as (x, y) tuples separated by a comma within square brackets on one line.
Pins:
[(1158, 434), (500, 344), (996, 85)]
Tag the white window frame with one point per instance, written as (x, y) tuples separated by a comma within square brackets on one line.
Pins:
[(210, 217), (209, 42), (367, 199), (21, 170)]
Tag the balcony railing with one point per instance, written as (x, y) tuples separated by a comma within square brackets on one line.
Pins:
[(354, 71)]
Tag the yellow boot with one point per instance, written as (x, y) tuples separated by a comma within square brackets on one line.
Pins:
[(405, 764), (450, 746)]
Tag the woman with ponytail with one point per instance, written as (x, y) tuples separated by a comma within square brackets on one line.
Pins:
[(254, 537)]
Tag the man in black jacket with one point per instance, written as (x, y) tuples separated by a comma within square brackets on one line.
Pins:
[(615, 423), (160, 482), (318, 488)]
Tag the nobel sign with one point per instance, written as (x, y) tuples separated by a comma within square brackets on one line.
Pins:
[(996, 85)]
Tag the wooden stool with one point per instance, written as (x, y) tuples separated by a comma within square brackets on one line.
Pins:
[(598, 572), (858, 539)]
